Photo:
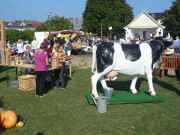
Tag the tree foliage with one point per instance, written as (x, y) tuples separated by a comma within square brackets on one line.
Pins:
[(56, 24), (42, 27), (115, 13), (171, 17), (14, 35)]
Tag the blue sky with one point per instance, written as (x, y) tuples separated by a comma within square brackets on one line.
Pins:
[(11, 10)]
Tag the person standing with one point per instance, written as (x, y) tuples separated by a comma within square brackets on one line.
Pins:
[(49, 45), (28, 58), (34, 45), (69, 47), (176, 47), (59, 72), (41, 63), (20, 48), (90, 41), (8, 45)]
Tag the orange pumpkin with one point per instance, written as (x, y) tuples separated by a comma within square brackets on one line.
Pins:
[(8, 119)]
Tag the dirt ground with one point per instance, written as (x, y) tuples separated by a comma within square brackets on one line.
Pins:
[(77, 59)]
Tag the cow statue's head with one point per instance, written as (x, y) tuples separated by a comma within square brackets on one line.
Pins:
[(166, 41)]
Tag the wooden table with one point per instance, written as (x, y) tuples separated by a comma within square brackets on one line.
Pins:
[(79, 50), (68, 60)]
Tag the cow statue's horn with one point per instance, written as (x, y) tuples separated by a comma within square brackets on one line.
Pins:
[(155, 35), (168, 37)]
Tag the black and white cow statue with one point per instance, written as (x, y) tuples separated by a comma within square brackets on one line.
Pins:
[(130, 59)]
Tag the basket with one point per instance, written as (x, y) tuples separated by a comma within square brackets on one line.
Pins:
[(27, 82), (156, 73)]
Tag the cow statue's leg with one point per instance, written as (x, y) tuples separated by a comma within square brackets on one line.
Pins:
[(150, 83), (94, 80), (103, 83), (133, 86)]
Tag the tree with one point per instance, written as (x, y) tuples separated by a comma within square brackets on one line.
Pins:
[(56, 24), (115, 13), (42, 27), (171, 18)]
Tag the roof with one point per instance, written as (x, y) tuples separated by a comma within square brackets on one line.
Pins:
[(67, 32), (155, 15), (77, 23), (34, 25), (144, 20), (25, 23), (30, 22)]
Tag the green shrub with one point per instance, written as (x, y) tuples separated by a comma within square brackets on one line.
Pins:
[(14, 35)]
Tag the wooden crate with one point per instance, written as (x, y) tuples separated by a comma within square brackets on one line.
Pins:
[(8, 56), (55, 62), (3, 35), (13, 63), (3, 57), (22, 62), (27, 82), (28, 66), (17, 60)]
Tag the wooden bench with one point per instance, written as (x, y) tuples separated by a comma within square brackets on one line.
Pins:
[(171, 63)]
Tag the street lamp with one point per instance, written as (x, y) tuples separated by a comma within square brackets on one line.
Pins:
[(48, 14), (110, 29), (101, 31)]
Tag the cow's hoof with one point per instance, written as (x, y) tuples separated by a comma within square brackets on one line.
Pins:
[(136, 93), (95, 96), (155, 95)]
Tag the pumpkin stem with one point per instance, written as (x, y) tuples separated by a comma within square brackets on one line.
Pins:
[(3, 119)]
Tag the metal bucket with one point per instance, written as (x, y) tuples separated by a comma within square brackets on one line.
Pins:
[(108, 93), (101, 104)]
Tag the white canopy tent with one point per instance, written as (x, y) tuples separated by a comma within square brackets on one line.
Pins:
[(143, 25)]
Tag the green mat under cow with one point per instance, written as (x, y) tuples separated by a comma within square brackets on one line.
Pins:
[(128, 97)]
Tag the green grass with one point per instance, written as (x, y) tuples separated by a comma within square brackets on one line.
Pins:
[(69, 113)]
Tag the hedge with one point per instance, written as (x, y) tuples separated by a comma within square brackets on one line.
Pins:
[(14, 35)]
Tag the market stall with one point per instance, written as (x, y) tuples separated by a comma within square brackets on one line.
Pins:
[(78, 48), (18, 63)]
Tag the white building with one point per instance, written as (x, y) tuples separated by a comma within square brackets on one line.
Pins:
[(143, 25), (22, 25)]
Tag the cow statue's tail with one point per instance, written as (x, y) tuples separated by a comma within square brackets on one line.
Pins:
[(94, 58)]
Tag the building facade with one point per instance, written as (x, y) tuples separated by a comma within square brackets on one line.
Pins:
[(22, 25), (77, 23), (143, 25)]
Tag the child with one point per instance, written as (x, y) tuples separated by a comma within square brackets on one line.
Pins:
[(41, 62), (28, 58), (55, 49), (59, 72)]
